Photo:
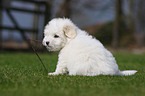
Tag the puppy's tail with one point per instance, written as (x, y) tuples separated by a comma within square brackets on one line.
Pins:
[(127, 72)]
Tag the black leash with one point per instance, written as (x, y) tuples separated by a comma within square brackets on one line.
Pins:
[(39, 58)]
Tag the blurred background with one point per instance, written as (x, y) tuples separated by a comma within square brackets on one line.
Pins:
[(116, 23)]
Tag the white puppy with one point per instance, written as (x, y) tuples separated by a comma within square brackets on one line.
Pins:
[(80, 53)]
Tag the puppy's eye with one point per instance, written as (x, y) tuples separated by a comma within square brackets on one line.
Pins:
[(56, 36)]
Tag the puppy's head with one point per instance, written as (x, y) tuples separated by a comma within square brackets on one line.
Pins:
[(57, 33)]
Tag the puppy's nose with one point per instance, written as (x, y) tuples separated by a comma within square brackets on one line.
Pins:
[(47, 43)]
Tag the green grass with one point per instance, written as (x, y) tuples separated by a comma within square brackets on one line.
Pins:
[(21, 74)]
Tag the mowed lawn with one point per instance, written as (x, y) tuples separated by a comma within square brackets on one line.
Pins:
[(21, 74)]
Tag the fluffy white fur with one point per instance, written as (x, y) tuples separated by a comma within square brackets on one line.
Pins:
[(80, 53)]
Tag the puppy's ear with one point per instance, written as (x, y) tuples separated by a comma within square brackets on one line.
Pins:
[(69, 31)]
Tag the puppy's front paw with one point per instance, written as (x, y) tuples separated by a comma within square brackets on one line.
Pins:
[(54, 73)]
